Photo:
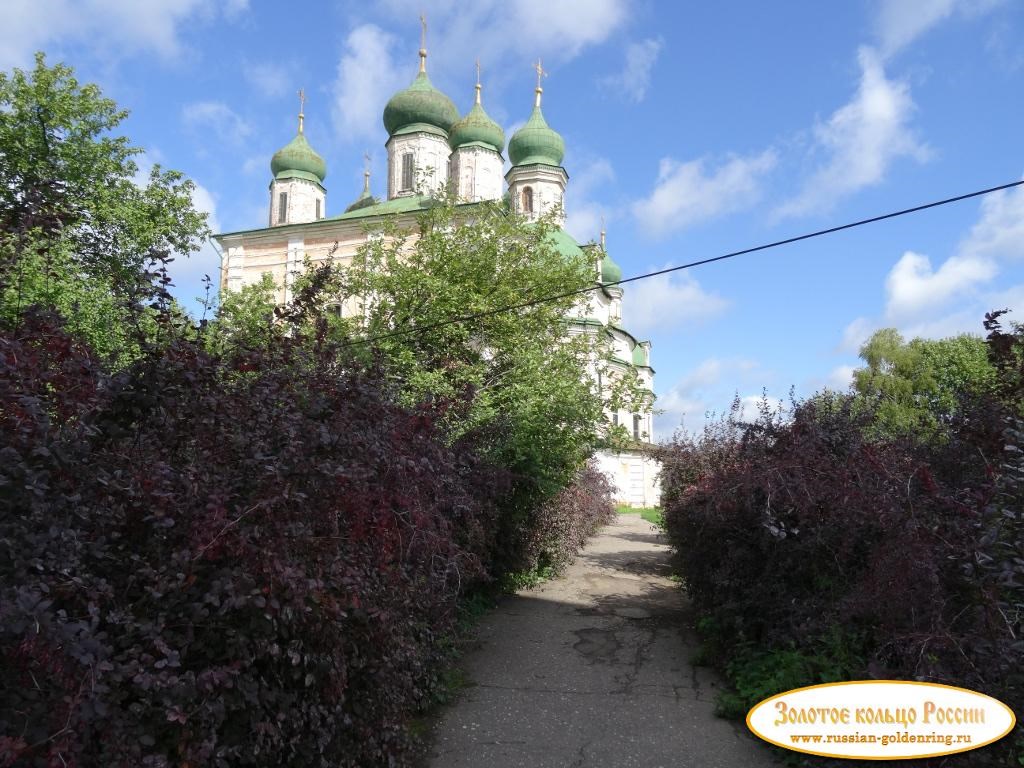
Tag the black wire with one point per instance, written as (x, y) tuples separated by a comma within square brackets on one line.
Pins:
[(690, 265)]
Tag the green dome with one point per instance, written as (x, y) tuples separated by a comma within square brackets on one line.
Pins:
[(535, 142), (419, 104), (297, 159), (478, 127), (610, 271)]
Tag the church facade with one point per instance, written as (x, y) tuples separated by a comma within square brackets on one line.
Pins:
[(431, 147)]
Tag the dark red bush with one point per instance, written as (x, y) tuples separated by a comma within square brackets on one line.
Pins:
[(562, 525), (214, 562), (805, 544)]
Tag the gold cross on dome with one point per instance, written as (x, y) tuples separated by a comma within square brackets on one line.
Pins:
[(302, 104), (540, 72), (423, 43)]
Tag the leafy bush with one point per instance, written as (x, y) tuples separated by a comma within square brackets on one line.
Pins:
[(207, 569), (563, 524), (817, 551), (236, 544)]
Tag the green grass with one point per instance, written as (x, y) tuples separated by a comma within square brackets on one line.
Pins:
[(650, 514)]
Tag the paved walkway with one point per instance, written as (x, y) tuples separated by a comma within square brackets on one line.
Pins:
[(591, 671)]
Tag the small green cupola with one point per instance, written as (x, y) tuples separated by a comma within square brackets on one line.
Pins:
[(297, 193), (536, 142), (365, 200), (610, 271), (297, 159), (477, 127), (420, 106)]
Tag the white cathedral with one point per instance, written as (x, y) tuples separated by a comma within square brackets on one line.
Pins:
[(430, 147)]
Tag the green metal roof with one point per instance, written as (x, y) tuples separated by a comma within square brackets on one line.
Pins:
[(536, 142), (564, 243), (421, 102), (297, 159), (591, 321), (398, 205)]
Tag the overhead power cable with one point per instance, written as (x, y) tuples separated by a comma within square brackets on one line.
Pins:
[(668, 270)]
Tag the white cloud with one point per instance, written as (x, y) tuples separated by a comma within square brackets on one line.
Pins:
[(367, 77), (861, 140), (999, 233), (566, 26), (269, 79), (855, 334), (687, 193), (705, 391), (583, 215), (108, 26), (900, 22), (912, 285), (187, 273), (928, 302), (752, 406), (668, 301), (635, 77), (508, 35), (841, 377), (216, 116), (914, 288)]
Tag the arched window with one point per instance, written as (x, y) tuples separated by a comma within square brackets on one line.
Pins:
[(527, 200)]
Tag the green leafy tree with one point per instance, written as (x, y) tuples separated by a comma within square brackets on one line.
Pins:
[(917, 386), (245, 319), (515, 381), (81, 230)]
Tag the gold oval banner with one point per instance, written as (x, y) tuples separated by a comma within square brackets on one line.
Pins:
[(881, 719)]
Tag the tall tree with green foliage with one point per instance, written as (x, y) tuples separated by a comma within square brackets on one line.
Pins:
[(515, 381), (79, 227), (918, 386)]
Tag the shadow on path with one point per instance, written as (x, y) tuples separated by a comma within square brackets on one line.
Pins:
[(591, 670)]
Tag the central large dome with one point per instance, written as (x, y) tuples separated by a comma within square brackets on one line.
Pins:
[(421, 104)]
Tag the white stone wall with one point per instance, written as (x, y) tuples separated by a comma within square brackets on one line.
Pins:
[(430, 155), (302, 197), (635, 478), (548, 185), (477, 171)]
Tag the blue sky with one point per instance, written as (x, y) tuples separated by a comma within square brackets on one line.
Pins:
[(694, 128)]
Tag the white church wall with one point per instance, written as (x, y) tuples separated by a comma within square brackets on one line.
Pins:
[(477, 171), (635, 477), (300, 201), (430, 155)]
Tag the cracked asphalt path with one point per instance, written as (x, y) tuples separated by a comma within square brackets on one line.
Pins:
[(591, 670)]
